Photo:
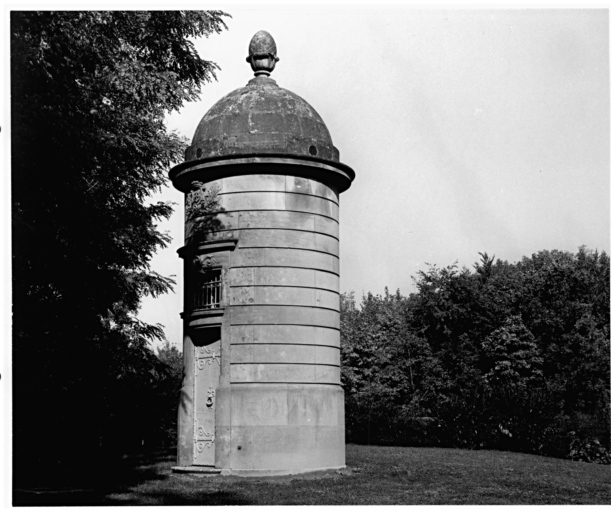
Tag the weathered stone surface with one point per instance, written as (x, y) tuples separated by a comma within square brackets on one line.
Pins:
[(186, 411), (286, 220), (297, 258), (277, 372), (288, 238), (268, 408), (326, 225), (261, 392), (254, 183), (262, 118), (286, 404), (279, 201), (262, 53), (327, 355), (301, 185), (281, 353), (281, 295), (314, 406), (223, 424), (207, 377), (273, 448), (294, 334), (279, 276), (276, 219), (288, 315), (254, 201), (312, 204), (327, 374), (286, 428)]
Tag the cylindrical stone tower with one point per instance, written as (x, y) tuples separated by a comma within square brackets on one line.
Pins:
[(261, 391)]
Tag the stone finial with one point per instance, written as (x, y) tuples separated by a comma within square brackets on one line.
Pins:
[(262, 53)]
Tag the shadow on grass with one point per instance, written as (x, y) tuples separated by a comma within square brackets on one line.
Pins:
[(375, 476), (142, 480), (170, 497)]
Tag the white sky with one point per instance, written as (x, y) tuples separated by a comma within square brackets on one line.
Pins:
[(468, 130)]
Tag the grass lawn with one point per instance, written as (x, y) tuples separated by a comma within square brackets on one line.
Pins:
[(375, 476)]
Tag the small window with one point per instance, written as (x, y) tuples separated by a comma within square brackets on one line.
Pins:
[(208, 290)]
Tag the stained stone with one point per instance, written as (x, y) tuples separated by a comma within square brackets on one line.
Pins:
[(261, 393)]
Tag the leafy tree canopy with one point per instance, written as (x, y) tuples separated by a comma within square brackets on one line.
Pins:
[(89, 95), (512, 356)]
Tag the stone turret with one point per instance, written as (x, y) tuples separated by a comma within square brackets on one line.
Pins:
[(261, 392)]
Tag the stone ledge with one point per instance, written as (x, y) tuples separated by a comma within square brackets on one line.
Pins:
[(208, 470), (303, 473), (206, 247)]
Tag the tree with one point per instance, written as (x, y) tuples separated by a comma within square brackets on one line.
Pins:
[(89, 94), (388, 373), (512, 356), (167, 392)]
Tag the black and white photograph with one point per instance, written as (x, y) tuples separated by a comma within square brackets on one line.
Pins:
[(194, 320)]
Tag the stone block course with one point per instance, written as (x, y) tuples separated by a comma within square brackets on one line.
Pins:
[(279, 276), (288, 315), (283, 295), (293, 334), (297, 258)]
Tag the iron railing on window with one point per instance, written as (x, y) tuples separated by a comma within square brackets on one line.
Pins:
[(208, 292)]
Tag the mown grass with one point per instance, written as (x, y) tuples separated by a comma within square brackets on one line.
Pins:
[(375, 476)]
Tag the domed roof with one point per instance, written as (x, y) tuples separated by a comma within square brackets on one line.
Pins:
[(262, 117)]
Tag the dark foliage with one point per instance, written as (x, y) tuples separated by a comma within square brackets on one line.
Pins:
[(89, 92), (508, 356)]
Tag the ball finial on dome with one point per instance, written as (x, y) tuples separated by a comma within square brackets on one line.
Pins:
[(262, 53)]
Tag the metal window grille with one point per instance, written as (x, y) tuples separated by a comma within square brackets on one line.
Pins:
[(208, 293)]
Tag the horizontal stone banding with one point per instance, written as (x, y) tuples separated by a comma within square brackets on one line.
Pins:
[(282, 334), (279, 201), (230, 219), (287, 363), (287, 343), (245, 234), (284, 373), (284, 295), (285, 257), (297, 185), (283, 276), (286, 239), (276, 219), (228, 223), (285, 219), (299, 248), (276, 183), (271, 219), (333, 200), (286, 315), (289, 385), (303, 311), (274, 353)]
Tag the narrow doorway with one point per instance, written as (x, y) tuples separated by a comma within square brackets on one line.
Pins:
[(207, 375)]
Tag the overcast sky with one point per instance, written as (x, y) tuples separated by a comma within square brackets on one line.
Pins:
[(469, 131)]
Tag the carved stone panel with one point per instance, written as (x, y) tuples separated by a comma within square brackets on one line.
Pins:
[(207, 374)]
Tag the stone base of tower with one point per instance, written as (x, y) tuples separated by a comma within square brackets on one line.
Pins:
[(279, 429)]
